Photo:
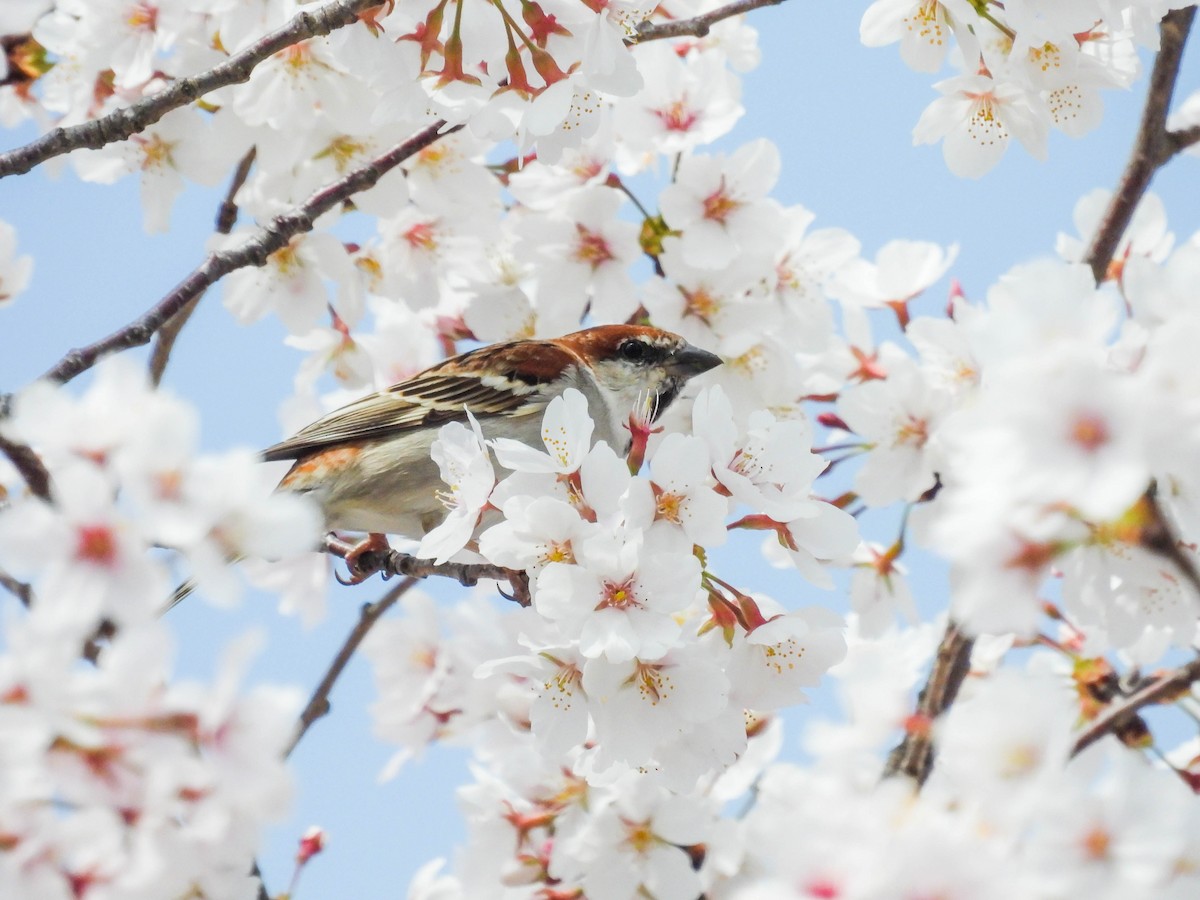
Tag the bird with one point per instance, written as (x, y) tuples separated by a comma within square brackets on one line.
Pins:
[(368, 465)]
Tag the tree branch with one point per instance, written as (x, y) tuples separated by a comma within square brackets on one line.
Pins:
[(1152, 147), (914, 755), (392, 562), (120, 124), (1122, 712), (226, 218), (19, 589), (253, 252), (29, 465), (318, 704), (1183, 138), (697, 26)]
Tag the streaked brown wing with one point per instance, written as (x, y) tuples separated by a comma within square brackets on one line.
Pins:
[(435, 397)]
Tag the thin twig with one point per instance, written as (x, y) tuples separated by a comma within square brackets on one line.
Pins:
[(392, 562), (17, 588), (318, 704), (228, 212), (1117, 714), (29, 465), (914, 755), (697, 26), (120, 124), (1152, 147), (253, 252), (227, 215)]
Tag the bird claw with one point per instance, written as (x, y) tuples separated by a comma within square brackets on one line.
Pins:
[(519, 581), (357, 571)]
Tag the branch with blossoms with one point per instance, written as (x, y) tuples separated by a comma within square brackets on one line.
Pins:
[(1162, 688), (1154, 146), (697, 26), (913, 756), (122, 123), (254, 251), (29, 464), (318, 704), (227, 215)]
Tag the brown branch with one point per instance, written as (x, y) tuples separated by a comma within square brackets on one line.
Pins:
[(253, 252), (19, 589), (226, 218), (1121, 713), (1152, 147), (29, 465), (1183, 138), (318, 704), (392, 562), (697, 26), (120, 124), (914, 755), (227, 213)]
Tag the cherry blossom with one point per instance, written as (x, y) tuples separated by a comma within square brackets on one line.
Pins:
[(975, 117), (583, 254), (720, 206), (466, 468), (620, 597), (901, 271), (896, 416), (292, 284), (923, 29)]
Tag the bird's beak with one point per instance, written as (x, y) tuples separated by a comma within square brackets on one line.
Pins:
[(692, 361)]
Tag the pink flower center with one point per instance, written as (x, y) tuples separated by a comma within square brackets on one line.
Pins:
[(156, 152), (96, 544), (618, 596), (669, 506), (1089, 432), (823, 888), (558, 551), (297, 57), (700, 303), (1096, 843), (719, 205), (421, 236), (142, 17), (592, 248), (914, 431), (639, 836), (676, 117)]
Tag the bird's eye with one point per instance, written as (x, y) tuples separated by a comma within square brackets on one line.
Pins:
[(633, 350)]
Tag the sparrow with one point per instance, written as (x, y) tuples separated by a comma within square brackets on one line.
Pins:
[(368, 464)]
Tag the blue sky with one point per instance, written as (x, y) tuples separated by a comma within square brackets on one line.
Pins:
[(842, 116)]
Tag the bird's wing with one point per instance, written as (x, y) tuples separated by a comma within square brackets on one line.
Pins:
[(441, 394)]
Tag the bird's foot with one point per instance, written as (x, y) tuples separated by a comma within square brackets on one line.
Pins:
[(363, 559)]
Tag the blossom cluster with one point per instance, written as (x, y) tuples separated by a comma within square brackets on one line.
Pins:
[(117, 778), (1007, 812), (1016, 494), (1026, 67), (1040, 442)]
